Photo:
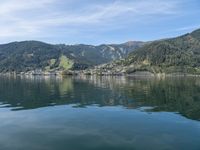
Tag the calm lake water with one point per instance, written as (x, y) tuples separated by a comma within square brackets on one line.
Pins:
[(90, 113)]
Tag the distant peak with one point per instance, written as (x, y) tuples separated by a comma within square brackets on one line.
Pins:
[(131, 43)]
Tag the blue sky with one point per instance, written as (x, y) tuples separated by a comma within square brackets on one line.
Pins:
[(96, 21)]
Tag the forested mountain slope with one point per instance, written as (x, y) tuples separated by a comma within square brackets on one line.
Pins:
[(31, 55), (174, 55)]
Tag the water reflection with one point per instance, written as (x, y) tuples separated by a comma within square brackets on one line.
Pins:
[(181, 95)]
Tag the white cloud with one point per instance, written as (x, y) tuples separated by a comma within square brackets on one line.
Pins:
[(184, 29), (9, 7), (187, 28), (21, 18)]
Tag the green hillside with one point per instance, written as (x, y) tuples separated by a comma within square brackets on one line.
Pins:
[(175, 55), (31, 55)]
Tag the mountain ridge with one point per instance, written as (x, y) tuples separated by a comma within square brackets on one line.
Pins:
[(24, 56), (166, 56)]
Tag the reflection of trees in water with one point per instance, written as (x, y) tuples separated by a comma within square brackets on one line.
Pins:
[(180, 95), (33, 92), (171, 94)]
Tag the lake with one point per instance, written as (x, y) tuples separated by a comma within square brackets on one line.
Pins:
[(99, 113)]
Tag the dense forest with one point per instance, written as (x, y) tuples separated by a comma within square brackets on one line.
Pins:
[(30, 55), (174, 55), (181, 54)]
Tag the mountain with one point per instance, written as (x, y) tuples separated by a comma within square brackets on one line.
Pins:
[(168, 56), (31, 55)]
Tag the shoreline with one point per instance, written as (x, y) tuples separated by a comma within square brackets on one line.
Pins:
[(81, 73)]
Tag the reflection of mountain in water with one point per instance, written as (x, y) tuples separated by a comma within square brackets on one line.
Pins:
[(181, 95), (28, 93), (174, 95)]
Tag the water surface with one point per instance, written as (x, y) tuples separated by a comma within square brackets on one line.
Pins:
[(107, 113)]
